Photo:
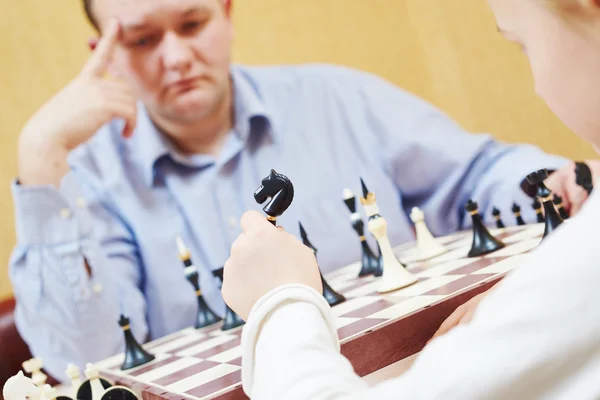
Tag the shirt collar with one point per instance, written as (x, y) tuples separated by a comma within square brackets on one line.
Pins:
[(251, 118)]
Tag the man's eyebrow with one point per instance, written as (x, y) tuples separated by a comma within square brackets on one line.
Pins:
[(140, 26)]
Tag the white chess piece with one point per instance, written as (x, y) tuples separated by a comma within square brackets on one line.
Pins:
[(73, 374), (20, 387), (427, 246), (92, 373), (395, 276), (48, 393), (33, 367)]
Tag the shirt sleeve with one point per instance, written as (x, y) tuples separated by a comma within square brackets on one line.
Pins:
[(438, 166), (536, 335), (63, 313)]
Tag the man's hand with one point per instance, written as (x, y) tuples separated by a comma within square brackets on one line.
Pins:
[(263, 258), (74, 114), (462, 315), (562, 183)]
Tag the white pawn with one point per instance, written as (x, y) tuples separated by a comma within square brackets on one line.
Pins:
[(33, 367), (427, 246), (48, 393), (20, 387), (73, 374), (92, 373)]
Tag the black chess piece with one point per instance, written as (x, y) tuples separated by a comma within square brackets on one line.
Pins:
[(119, 393), (135, 355), (516, 209), (205, 316), (330, 295), (558, 204), (537, 206), (551, 218), (371, 264), (280, 190), (498, 218), (583, 176), (231, 320), (85, 389), (483, 241)]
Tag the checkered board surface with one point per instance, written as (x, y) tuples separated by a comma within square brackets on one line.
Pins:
[(206, 363)]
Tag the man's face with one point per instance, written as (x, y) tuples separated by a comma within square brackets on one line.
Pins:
[(175, 53), (564, 59)]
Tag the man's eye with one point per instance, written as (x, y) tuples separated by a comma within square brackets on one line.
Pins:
[(191, 26)]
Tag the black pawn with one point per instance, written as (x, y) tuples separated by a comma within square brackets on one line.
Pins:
[(583, 176), (537, 206), (558, 204), (332, 297), (231, 320), (517, 211), (371, 264), (135, 355), (498, 218), (483, 241), (551, 218)]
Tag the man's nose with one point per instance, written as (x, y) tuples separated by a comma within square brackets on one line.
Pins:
[(177, 54)]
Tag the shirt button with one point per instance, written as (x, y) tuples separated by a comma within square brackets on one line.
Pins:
[(65, 213), (97, 288), (233, 222), (80, 201)]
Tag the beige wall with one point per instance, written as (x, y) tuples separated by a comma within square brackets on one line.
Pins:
[(446, 51)]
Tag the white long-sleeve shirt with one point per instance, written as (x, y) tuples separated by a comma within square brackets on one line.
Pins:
[(537, 335)]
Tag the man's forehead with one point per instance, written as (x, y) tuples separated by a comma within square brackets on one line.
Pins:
[(137, 10)]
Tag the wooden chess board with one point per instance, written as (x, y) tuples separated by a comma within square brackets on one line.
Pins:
[(375, 330)]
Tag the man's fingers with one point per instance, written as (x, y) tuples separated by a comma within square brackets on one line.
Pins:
[(127, 110), (253, 221), (102, 55)]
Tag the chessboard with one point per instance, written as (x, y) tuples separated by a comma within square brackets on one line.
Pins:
[(375, 329)]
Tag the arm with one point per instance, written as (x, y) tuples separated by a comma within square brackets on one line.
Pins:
[(65, 314), (438, 166), (535, 335)]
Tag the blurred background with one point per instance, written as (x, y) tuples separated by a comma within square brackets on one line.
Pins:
[(447, 52)]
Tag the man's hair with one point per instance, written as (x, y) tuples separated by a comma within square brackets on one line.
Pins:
[(87, 8)]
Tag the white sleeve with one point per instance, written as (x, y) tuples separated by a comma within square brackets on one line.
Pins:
[(537, 335)]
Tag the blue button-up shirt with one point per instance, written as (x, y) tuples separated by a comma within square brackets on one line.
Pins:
[(125, 200)]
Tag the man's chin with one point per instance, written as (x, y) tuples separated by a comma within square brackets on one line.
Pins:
[(192, 106)]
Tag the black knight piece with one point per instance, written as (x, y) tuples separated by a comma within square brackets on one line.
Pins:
[(497, 218), (551, 217), (537, 206), (330, 295), (583, 176), (205, 316), (135, 355), (231, 320), (516, 209), (371, 264), (483, 241), (280, 190), (558, 204)]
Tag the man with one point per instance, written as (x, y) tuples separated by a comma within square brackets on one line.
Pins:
[(158, 137)]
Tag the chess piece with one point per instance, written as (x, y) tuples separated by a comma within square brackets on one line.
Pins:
[(72, 373), (537, 206), (551, 217), (395, 275), (558, 204), (483, 241), (516, 209), (498, 218), (84, 391), (93, 383), (371, 264), (20, 387), (135, 355), (280, 190), (119, 393), (583, 177), (231, 320), (332, 297), (34, 367), (205, 316), (427, 246)]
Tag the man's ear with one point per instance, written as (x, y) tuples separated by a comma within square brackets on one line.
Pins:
[(92, 43), (227, 4)]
